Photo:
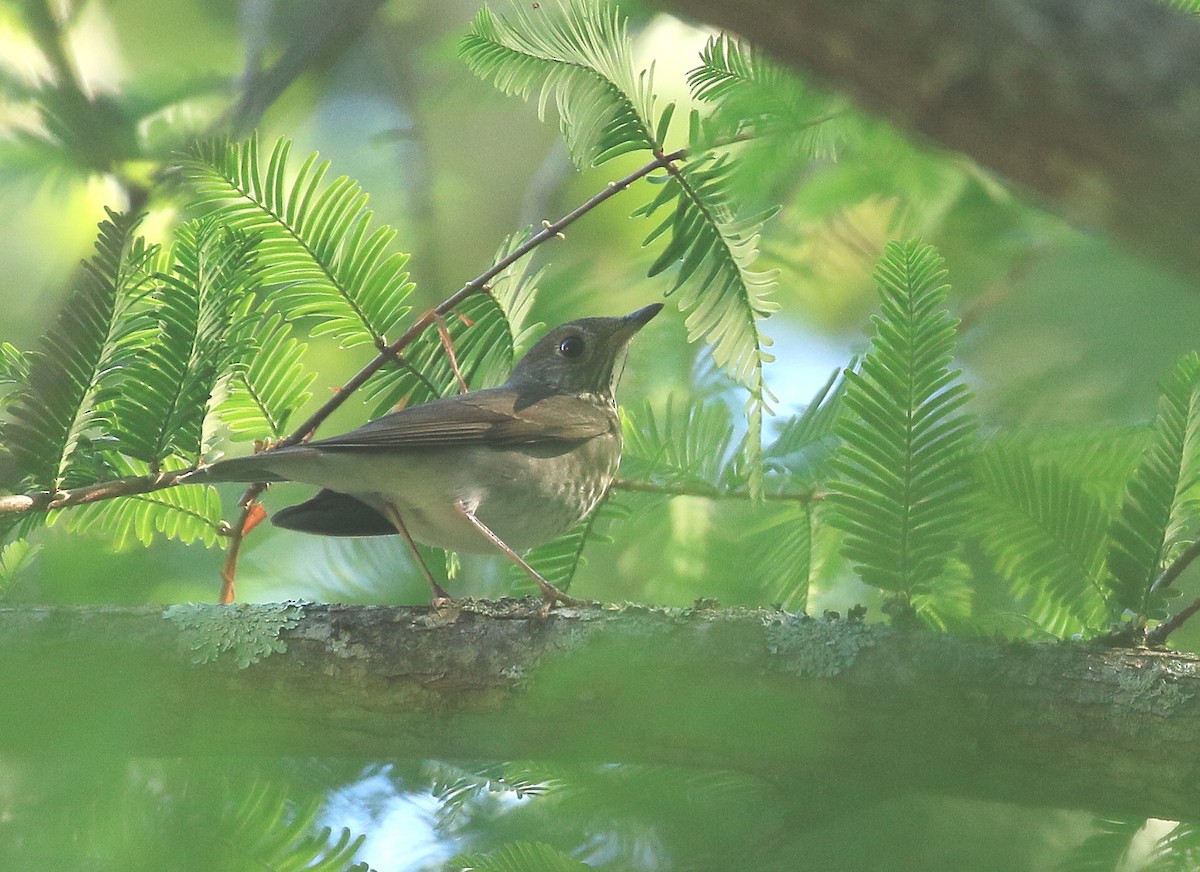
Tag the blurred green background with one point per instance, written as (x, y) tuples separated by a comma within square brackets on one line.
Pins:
[(1062, 333)]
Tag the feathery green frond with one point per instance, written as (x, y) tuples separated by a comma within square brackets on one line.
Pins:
[(1105, 849), (902, 497), (752, 94), (189, 514), (576, 54), (456, 788), (57, 409), (315, 240), (520, 857), (14, 365), (559, 559), (688, 443), (1159, 513), (1177, 851), (1101, 460), (723, 297), (1046, 534), (268, 385), (484, 330), (15, 557), (779, 554), (804, 444), (167, 384), (269, 831)]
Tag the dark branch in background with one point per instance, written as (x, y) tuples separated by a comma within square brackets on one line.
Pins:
[(324, 34), (1093, 105), (855, 710)]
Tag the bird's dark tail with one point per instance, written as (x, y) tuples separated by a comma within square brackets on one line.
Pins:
[(330, 513), (242, 469)]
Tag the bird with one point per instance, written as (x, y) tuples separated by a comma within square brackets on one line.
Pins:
[(501, 469)]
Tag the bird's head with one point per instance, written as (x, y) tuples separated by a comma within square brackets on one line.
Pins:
[(584, 356)]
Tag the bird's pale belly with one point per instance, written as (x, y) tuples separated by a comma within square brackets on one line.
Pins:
[(526, 496)]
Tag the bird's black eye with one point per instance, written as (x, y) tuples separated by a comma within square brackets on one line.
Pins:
[(570, 347)]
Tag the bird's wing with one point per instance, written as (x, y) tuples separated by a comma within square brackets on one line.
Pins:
[(500, 416)]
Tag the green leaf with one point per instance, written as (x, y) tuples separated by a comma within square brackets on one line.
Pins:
[(780, 554), (15, 557), (1159, 515), (484, 330), (751, 94), (1177, 851), (575, 53), (723, 297), (268, 386), (1105, 849), (803, 447), (167, 384), (519, 857), (315, 240), (189, 514), (58, 408), (559, 559), (689, 442), (903, 496), (1046, 534), (267, 830)]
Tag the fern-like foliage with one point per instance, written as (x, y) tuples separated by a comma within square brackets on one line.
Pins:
[(15, 557), (1177, 851), (903, 492), (1046, 534), (576, 54), (168, 382), (559, 559), (267, 831), (723, 297), (1104, 850), (688, 442), (758, 98), (520, 857), (268, 385), (60, 407), (315, 240), (803, 446), (189, 514), (1159, 512), (457, 789), (484, 330)]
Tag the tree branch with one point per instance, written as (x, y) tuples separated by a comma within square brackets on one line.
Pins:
[(829, 704), (1091, 104)]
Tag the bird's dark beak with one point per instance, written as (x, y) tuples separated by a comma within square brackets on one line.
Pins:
[(635, 321)]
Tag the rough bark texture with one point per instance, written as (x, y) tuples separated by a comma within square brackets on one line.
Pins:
[(1093, 105), (833, 706)]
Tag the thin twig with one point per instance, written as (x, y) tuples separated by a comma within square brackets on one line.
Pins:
[(1159, 634), (1178, 565), (237, 535), (712, 493)]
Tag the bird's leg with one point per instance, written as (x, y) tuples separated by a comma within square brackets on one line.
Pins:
[(440, 597), (550, 593)]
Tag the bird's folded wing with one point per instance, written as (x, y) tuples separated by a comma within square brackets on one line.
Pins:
[(497, 417)]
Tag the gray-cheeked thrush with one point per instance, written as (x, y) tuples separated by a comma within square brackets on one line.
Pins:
[(506, 468)]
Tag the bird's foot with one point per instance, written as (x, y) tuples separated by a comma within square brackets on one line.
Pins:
[(552, 595)]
